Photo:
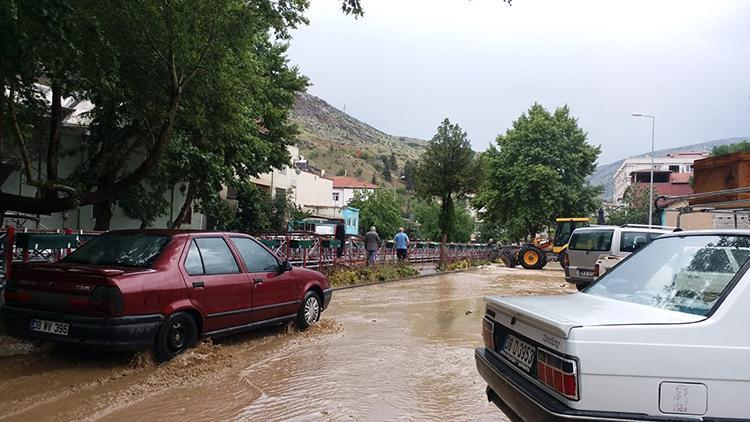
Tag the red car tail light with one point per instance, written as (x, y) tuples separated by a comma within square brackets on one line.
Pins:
[(558, 373), (106, 299), (488, 330)]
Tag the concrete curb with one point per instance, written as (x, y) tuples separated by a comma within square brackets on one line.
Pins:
[(416, 277)]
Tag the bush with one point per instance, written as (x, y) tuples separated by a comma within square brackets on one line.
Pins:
[(352, 276), (464, 264)]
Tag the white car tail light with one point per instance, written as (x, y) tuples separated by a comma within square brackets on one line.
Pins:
[(558, 373), (488, 331)]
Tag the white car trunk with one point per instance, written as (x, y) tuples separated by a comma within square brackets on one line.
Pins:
[(557, 315)]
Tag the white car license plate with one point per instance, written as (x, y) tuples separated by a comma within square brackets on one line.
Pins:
[(586, 273), (519, 352), (52, 327)]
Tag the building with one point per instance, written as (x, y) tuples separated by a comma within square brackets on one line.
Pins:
[(303, 184), (345, 188), (672, 173)]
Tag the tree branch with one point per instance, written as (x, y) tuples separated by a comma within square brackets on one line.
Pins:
[(179, 220), (153, 44), (109, 192), (19, 135)]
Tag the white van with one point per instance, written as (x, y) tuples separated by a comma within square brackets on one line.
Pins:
[(587, 244)]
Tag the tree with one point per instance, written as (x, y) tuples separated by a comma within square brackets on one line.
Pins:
[(387, 167), (447, 171), (410, 168), (537, 172), (427, 215), (147, 66), (382, 209), (635, 207)]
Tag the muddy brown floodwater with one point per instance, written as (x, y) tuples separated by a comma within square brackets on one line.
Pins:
[(400, 350)]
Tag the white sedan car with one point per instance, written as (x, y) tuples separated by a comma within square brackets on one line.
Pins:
[(665, 335)]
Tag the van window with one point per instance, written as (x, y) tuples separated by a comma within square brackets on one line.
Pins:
[(631, 241), (591, 240)]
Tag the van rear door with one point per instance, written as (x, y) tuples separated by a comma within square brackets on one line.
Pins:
[(584, 249)]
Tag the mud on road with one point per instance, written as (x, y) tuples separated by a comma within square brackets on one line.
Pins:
[(401, 350)]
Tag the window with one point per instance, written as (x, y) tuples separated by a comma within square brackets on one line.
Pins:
[(674, 169), (335, 197), (591, 240), (631, 241), (122, 250), (685, 274), (193, 262), (256, 258), (216, 255)]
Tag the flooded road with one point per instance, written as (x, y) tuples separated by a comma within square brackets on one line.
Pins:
[(396, 351)]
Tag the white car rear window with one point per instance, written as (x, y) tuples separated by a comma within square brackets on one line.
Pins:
[(685, 274)]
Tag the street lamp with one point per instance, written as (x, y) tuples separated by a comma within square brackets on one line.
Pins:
[(651, 188)]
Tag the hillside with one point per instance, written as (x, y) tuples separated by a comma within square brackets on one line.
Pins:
[(337, 142), (604, 174)]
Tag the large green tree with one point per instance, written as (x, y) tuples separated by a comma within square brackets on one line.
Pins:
[(448, 170), (537, 172), (156, 71), (380, 208)]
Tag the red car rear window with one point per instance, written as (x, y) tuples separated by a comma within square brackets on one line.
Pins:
[(122, 250)]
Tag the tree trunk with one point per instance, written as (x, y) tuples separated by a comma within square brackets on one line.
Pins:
[(103, 215), (2, 118), (442, 250), (54, 132), (185, 207)]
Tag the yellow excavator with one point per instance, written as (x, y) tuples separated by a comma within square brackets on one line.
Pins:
[(536, 254)]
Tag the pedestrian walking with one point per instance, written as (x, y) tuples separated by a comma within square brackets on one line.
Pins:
[(372, 243), (401, 241)]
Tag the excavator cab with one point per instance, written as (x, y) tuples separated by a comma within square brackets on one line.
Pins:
[(564, 230)]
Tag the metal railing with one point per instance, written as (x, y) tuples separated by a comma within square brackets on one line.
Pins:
[(303, 249)]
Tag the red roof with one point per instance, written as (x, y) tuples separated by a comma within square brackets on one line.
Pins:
[(351, 182)]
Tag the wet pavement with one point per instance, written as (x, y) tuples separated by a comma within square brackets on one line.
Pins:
[(395, 351)]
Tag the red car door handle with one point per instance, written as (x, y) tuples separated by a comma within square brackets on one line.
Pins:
[(257, 280), (199, 284)]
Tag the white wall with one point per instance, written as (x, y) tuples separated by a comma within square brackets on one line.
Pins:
[(312, 190), (347, 194)]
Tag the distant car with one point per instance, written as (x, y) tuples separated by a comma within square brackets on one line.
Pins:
[(662, 336), (589, 243), (132, 290)]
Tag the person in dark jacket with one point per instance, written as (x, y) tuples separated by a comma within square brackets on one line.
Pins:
[(372, 244)]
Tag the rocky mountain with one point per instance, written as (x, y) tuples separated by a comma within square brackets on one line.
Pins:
[(338, 143), (604, 174)]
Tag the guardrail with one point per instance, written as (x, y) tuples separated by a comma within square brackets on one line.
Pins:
[(302, 249)]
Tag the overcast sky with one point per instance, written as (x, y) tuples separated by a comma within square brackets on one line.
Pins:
[(407, 64)]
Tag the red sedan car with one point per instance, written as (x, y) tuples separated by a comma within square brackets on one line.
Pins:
[(135, 289)]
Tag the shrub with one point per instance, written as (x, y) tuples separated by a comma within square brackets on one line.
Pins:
[(348, 277)]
